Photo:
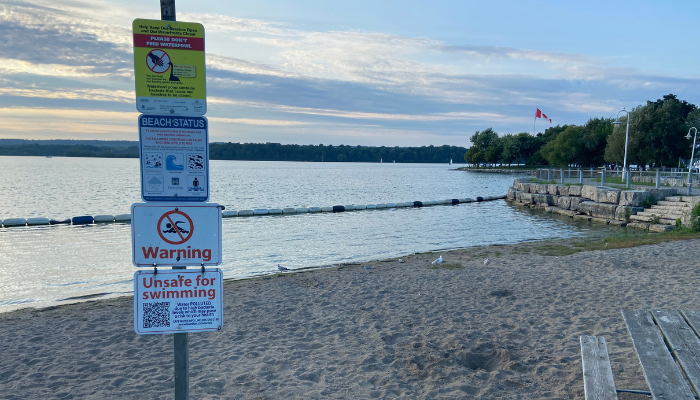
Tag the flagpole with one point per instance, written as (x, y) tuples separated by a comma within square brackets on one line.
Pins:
[(534, 124)]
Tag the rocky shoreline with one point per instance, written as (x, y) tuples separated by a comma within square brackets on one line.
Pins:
[(498, 171), (654, 209)]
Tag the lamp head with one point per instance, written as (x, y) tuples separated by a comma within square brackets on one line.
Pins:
[(617, 122), (688, 137)]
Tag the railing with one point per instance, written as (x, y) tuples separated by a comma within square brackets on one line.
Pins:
[(672, 177)]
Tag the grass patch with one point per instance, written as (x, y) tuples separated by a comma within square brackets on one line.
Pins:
[(557, 250), (446, 266), (620, 181), (626, 241)]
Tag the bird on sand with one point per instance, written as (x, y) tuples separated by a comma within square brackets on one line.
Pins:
[(281, 268), (487, 261), (438, 261)]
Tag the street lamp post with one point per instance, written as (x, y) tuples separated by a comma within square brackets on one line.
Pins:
[(627, 139), (692, 155)]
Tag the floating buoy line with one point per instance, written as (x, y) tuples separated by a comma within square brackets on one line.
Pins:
[(126, 218)]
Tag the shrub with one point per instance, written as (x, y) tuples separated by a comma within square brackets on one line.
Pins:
[(649, 201), (655, 219)]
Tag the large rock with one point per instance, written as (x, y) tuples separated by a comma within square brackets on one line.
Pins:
[(576, 202), (511, 194), (564, 202), (526, 197), (599, 210), (543, 189), (607, 195), (633, 198), (588, 192), (563, 190), (662, 193), (524, 187), (575, 190), (543, 199), (552, 189)]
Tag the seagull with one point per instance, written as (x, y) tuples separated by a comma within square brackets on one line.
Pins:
[(438, 261), (281, 268), (401, 260), (368, 267), (487, 261)]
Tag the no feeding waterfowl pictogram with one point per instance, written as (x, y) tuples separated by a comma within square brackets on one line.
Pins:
[(158, 61), (172, 229)]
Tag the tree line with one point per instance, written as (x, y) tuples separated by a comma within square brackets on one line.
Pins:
[(656, 139), (258, 152), (327, 153)]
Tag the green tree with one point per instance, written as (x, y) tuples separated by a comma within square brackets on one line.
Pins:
[(564, 149), (656, 135)]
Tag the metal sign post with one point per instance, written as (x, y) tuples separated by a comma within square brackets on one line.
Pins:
[(170, 76)]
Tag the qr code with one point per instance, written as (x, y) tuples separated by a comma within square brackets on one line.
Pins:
[(195, 162), (156, 315)]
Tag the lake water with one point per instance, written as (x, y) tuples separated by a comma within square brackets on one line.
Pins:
[(48, 265)]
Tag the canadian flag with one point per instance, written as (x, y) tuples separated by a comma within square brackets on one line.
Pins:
[(540, 114)]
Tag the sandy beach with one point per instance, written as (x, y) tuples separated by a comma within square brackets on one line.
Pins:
[(507, 330)]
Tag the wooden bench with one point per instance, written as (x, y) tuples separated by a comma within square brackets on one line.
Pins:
[(668, 347)]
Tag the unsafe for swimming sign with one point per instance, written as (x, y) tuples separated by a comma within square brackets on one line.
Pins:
[(178, 301), (176, 235)]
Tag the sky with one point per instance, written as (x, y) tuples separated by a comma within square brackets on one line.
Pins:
[(382, 72)]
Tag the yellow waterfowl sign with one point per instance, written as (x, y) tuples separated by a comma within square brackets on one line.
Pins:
[(169, 67)]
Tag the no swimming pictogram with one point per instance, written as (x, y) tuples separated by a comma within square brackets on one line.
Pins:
[(175, 227), (158, 61)]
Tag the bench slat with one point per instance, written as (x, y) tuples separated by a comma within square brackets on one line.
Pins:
[(598, 380), (660, 370), (684, 344)]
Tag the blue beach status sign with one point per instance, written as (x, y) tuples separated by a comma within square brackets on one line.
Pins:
[(174, 152)]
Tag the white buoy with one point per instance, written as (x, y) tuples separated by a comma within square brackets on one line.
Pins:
[(122, 218), (360, 207), (399, 205), (37, 221), (316, 209), (371, 206), (245, 213), (326, 209), (14, 222), (390, 205), (275, 211), (261, 211), (431, 203), (302, 210), (103, 218), (229, 213), (289, 210), (349, 208), (381, 205)]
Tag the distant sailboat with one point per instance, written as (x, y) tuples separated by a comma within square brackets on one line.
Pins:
[(450, 161), (380, 161), (394, 161)]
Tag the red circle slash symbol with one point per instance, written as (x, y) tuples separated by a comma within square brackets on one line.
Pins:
[(178, 231), (158, 61)]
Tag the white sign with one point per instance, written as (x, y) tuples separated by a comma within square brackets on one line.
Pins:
[(176, 234), (174, 154), (178, 301)]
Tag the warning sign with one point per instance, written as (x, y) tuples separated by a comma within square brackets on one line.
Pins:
[(178, 301), (169, 67), (176, 235)]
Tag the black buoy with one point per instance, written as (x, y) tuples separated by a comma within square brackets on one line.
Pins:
[(338, 209), (417, 204), (455, 202)]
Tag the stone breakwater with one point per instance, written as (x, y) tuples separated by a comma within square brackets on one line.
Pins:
[(532, 172), (607, 205)]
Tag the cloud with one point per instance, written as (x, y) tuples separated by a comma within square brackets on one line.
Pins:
[(272, 79)]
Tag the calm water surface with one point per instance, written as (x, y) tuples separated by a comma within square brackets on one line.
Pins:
[(53, 264)]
